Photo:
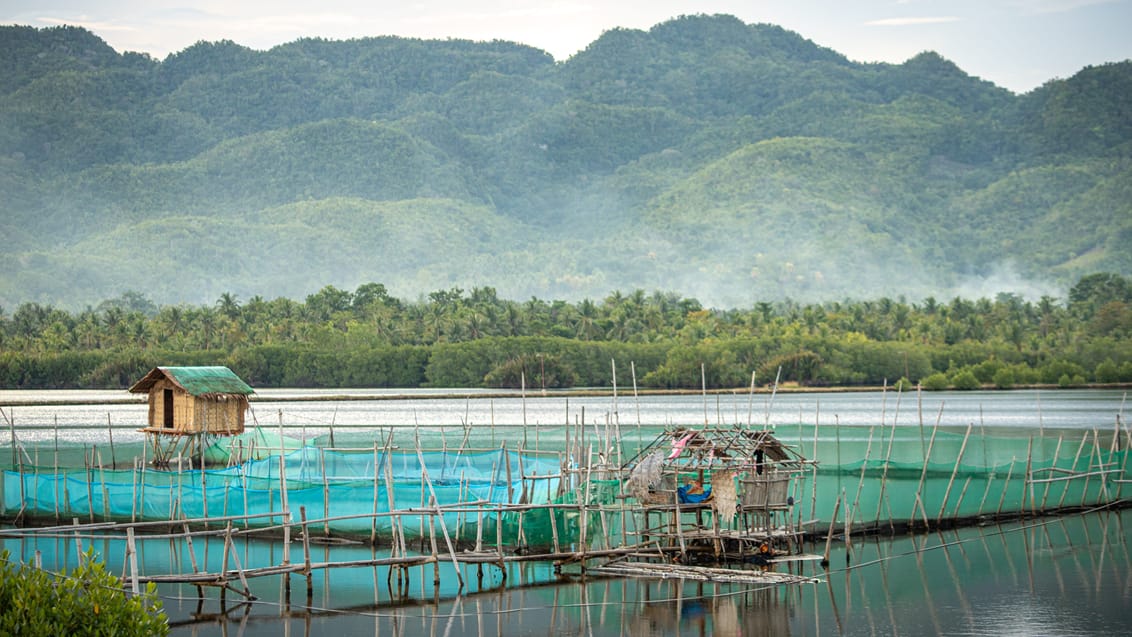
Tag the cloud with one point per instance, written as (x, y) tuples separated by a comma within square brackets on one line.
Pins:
[(85, 22), (903, 22), (1060, 6)]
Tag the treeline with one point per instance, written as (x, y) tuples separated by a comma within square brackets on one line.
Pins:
[(453, 338)]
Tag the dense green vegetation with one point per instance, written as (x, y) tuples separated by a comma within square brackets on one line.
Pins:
[(731, 162), (453, 338), (88, 601)]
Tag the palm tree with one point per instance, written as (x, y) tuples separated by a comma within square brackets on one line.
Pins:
[(228, 305), (586, 325)]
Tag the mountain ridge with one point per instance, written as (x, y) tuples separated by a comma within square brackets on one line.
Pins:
[(731, 162)]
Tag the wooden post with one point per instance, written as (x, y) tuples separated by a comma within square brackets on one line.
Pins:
[(325, 494), (848, 528), (814, 457), (134, 493), (432, 543), (141, 479), (1028, 485), (89, 483), (553, 512), (12, 431), (373, 523), (306, 553), (678, 522), (204, 492), (110, 432), (132, 553)]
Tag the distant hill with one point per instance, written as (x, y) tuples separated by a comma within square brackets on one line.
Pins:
[(729, 162)]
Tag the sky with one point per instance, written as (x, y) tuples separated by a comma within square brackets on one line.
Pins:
[(1016, 44)]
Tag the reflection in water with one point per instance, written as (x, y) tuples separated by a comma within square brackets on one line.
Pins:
[(1064, 576)]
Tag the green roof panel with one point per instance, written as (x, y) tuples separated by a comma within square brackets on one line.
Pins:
[(198, 381), (208, 380)]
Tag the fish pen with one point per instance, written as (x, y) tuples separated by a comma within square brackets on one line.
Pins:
[(675, 501)]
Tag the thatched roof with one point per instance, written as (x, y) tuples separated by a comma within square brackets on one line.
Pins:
[(203, 382), (717, 447)]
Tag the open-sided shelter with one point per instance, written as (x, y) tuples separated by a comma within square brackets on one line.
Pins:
[(728, 471)]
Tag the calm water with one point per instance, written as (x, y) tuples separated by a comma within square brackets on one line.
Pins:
[(1050, 576), (79, 416), (1061, 576)]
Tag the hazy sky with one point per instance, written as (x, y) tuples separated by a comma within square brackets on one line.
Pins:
[(1017, 44)]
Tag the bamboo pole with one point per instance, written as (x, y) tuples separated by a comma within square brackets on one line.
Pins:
[(64, 478), (283, 499), (110, 432), (12, 431), (954, 472), (1076, 460), (192, 554), (435, 551), (986, 492), (204, 492), (829, 535), (325, 490), (1053, 466), (1005, 487), (814, 488), (924, 472), (376, 482), (134, 492), (884, 470), (864, 465), (132, 555), (959, 503), (89, 483), (306, 552), (1028, 485), (229, 547), (443, 523), (1094, 452)]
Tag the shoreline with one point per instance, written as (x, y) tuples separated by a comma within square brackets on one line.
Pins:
[(477, 393)]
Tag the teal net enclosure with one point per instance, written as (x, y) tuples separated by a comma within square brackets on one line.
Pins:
[(872, 476), (885, 475), (349, 492)]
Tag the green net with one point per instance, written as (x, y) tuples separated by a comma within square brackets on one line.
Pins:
[(879, 476)]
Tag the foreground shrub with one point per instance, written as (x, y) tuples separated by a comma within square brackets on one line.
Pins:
[(88, 601)]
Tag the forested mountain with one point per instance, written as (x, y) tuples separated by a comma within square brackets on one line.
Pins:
[(729, 162)]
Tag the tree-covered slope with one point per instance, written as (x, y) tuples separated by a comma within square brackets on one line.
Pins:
[(728, 161)]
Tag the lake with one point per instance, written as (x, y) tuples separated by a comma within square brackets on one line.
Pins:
[(1065, 575)]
